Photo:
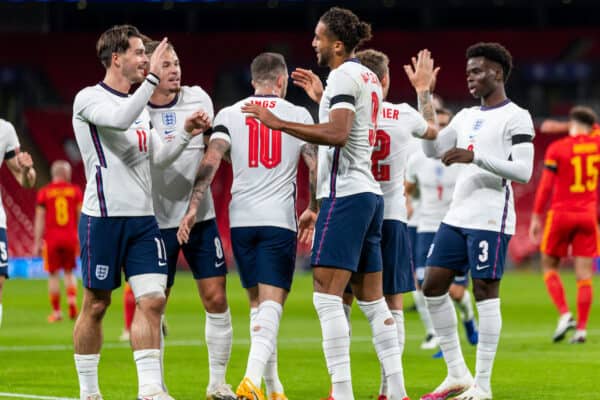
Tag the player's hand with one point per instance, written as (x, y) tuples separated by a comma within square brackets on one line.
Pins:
[(25, 161), (535, 229), (306, 226), (185, 227), (553, 127), (197, 123), (263, 115), (457, 155), (155, 63), (310, 82), (421, 73), (434, 79)]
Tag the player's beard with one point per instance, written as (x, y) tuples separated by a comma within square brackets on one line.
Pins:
[(324, 57)]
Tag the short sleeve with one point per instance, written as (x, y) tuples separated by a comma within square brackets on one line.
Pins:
[(411, 168), (520, 128), (41, 198), (205, 100), (416, 123), (221, 126), (343, 91), (551, 157), (9, 135)]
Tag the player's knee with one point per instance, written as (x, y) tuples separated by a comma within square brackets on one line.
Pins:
[(483, 290), (432, 290), (152, 304), (215, 301), (96, 308)]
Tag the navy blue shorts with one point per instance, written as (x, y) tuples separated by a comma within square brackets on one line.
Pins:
[(460, 249), (264, 254), (203, 252), (348, 233), (424, 243), (109, 244), (398, 270), (3, 253), (412, 238)]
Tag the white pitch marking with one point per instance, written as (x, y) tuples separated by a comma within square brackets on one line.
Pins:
[(33, 396)]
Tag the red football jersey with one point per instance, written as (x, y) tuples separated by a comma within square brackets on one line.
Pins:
[(571, 174), (62, 202)]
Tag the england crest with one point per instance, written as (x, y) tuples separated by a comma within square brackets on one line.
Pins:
[(169, 118), (101, 272)]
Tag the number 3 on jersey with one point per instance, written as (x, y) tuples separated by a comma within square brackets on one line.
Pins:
[(264, 145)]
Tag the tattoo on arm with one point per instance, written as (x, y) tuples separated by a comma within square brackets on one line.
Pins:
[(207, 170), (426, 107), (310, 156)]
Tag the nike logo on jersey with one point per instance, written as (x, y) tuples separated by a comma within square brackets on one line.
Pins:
[(162, 263), (137, 121), (169, 131), (219, 264), (480, 267), (4, 264)]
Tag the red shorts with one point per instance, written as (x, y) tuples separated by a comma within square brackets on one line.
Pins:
[(577, 229), (59, 256)]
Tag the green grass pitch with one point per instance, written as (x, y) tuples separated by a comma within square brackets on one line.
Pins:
[(36, 357)]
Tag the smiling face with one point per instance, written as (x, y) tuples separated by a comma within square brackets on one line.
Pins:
[(483, 76), (323, 45), (133, 62), (171, 80)]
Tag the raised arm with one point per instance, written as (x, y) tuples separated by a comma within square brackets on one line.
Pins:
[(217, 147), (162, 155), (310, 82), (121, 116)]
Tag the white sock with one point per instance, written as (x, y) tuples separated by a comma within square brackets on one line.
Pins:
[(423, 312), (444, 321), (162, 354), (87, 371), (218, 334), (0, 314), (490, 325), (336, 343), (399, 317), (385, 339), (272, 381), (263, 337), (348, 313), (465, 306), (149, 371)]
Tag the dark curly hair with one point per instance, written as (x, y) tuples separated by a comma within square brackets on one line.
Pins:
[(493, 52), (345, 26)]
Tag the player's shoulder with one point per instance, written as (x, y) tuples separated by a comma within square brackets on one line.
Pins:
[(5, 126), (89, 94), (194, 94), (354, 71)]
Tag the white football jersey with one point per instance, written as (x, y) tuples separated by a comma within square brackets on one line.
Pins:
[(346, 170), (172, 186), (264, 161), (395, 129), (483, 200), (116, 141), (9, 144), (435, 183)]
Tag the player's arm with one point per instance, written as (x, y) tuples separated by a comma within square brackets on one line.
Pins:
[(38, 229), (423, 77), (20, 165), (218, 146), (308, 219), (542, 195), (162, 155), (121, 116), (332, 133), (554, 127)]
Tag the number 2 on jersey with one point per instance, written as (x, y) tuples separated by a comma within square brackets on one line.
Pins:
[(591, 169), (381, 151), (264, 145)]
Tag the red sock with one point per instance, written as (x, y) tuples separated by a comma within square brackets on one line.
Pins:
[(129, 306), (72, 299), (55, 301), (556, 291), (584, 302)]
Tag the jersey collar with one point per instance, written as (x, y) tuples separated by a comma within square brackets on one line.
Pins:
[(113, 91), (168, 105), (502, 104)]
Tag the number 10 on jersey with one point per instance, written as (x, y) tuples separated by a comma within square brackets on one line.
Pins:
[(264, 145)]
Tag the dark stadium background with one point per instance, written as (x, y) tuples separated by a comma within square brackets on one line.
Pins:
[(48, 54)]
